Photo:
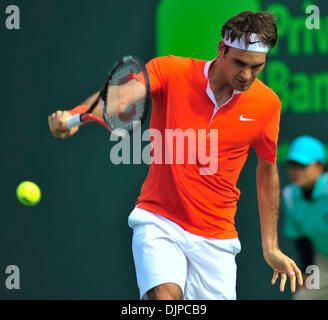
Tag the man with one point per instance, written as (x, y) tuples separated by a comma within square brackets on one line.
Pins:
[(305, 207), (185, 241)]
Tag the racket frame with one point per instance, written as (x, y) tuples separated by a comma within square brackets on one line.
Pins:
[(103, 96)]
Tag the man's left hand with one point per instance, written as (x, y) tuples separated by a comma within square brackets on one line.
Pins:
[(283, 265)]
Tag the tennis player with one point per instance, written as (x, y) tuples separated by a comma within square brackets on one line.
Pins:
[(184, 240)]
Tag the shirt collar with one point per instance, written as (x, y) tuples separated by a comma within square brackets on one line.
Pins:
[(209, 90), (320, 187), (207, 69)]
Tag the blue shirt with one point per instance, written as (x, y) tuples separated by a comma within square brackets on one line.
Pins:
[(307, 218)]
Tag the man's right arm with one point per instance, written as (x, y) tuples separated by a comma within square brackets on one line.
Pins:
[(121, 97), (57, 120)]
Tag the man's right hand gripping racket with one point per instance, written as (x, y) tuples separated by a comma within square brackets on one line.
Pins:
[(125, 98)]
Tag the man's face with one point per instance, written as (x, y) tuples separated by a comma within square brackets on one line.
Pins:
[(241, 67), (304, 176)]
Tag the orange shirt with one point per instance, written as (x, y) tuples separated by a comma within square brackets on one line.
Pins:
[(204, 204)]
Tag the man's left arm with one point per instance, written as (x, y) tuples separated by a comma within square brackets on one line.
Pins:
[(268, 194)]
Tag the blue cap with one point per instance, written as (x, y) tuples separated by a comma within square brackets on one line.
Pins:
[(306, 149)]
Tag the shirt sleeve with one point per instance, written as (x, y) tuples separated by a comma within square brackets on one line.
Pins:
[(265, 144), (159, 70)]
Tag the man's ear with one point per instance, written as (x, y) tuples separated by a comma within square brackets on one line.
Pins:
[(221, 48)]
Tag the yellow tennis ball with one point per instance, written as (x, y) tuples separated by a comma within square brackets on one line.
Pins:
[(28, 193)]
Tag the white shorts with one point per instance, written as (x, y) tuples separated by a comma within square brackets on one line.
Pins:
[(204, 268)]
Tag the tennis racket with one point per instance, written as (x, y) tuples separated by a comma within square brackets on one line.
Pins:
[(125, 98)]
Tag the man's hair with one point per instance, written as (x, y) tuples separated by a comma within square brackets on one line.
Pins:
[(248, 22)]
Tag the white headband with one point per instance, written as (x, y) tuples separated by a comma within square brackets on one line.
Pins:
[(255, 43)]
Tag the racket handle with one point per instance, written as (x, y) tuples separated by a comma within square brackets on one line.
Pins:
[(73, 121)]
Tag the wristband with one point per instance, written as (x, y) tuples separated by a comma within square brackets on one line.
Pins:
[(78, 110)]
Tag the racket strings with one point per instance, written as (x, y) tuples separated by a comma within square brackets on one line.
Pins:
[(134, 112)]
